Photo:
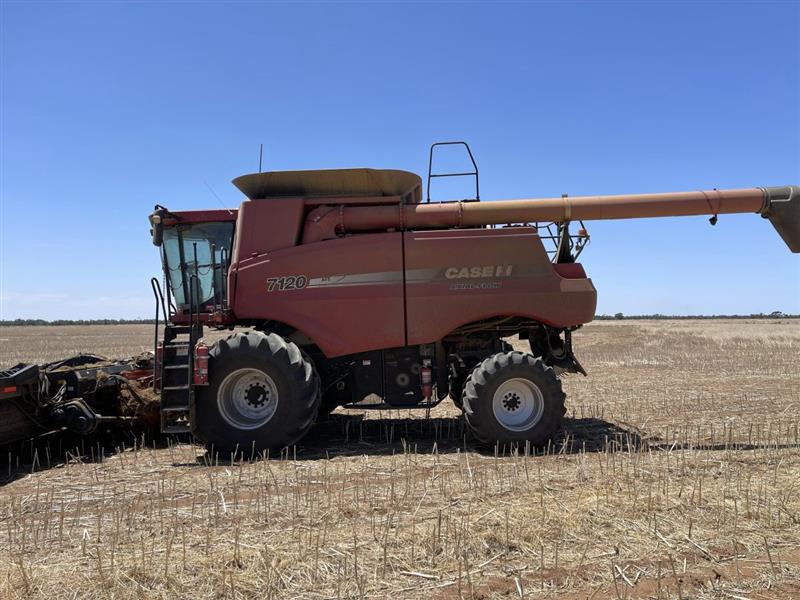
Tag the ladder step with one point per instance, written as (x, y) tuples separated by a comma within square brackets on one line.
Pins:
[(179, 407), (175, 429), (176, 366), (170, 388), (179, 328), (175, 420)]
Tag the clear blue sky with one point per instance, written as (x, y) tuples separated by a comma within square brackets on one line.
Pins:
[(110, 107)]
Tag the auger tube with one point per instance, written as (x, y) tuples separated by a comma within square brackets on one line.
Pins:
[(780, 204)]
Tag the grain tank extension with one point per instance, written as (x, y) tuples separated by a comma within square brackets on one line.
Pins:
[(358, 293)]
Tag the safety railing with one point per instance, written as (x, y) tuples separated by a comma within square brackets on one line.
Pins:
[(473, 173)]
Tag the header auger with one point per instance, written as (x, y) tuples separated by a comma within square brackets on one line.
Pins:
[(358, 293)]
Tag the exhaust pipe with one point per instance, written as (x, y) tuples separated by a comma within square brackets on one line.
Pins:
[(782, 208)]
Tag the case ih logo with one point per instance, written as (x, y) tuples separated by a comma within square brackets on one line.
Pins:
[(478, 272)]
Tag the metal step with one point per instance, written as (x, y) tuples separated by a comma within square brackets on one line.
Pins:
[(179, 328), (176, 366), (174, 404), (176, 382), (176, 429), (181, 425)]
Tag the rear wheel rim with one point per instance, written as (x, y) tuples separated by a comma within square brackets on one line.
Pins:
[(518, 404), (247, 399)]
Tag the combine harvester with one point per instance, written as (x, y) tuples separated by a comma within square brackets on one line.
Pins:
[(358, 293)]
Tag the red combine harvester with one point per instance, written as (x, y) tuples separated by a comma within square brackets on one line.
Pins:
[(359, 293)]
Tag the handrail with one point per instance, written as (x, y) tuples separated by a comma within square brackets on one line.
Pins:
[(214, 291), (474, 173), (167, 284), (159, 296), (194, 304), (194, 297), (223, 257)]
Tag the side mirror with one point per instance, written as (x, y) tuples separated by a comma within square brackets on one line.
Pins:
[(157, 226)]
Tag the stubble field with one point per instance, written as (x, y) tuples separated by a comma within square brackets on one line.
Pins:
[(677, 475)]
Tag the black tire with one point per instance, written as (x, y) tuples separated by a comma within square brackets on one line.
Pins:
[(457, 382), (511, 369), (330, 402), (457, 389), (286, 372), (333, 398)]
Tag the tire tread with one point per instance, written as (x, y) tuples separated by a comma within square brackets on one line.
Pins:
[(476, 398), (300, 375)]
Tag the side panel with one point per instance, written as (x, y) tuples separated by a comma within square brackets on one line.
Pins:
[(282, 217), (345, 294), (455, 277)]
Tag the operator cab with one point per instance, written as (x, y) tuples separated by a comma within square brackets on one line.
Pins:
[(195, 254)]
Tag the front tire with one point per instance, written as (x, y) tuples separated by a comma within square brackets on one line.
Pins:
[(264, 395), (457, 382), (513, 397)]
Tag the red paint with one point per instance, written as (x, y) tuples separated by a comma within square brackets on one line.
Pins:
[(266, 225), (345, 308), (570, 270), (201, 216), (340, 319), (533, 289), (137, 374)]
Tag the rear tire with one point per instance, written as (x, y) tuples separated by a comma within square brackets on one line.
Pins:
[(263, 395), (513, 397)]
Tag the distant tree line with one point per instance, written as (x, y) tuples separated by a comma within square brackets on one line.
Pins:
[(656, 317), (77, 322), (618, 316)]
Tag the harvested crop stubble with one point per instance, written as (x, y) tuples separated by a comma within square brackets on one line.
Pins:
[(46, 343), (676, 477)]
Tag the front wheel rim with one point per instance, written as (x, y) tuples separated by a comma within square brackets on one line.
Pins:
[(247, 399), (518, 404)]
